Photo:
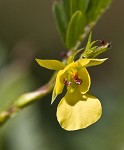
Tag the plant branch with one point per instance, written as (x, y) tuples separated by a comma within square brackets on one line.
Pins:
[(26, 99)]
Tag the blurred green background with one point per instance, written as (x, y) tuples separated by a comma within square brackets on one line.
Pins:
[(27, 31)]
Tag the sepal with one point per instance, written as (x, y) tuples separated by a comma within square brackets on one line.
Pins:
[(51, 64)]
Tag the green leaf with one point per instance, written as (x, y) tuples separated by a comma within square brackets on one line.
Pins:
[(75, 29), (71, 6), (96, 8), (51, 64), (88, 46), (82, 5), (66, 5), (73, 16), (61, 18)]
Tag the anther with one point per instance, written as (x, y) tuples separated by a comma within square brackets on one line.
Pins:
[(102, 42), (77, 80), (67, 83)]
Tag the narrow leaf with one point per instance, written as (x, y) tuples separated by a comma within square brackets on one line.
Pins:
[(96, 8), (71, 6), (66, 5), (88, 46), (83, 5), (75, 29), (61, 18)]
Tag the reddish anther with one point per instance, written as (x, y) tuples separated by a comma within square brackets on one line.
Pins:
[(102, 42), (67, 83), (77, 80)]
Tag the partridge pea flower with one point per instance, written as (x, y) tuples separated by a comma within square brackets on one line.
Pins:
[(77, 109)]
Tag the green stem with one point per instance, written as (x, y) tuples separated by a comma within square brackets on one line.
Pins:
[(29, 98), (26, 99)]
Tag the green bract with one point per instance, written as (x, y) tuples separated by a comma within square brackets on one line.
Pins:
[(92, 51)]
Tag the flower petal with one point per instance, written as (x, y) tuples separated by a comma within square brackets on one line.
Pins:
[(85, 77), (94, 62), (71, 65), (75, 112), (82, 62), (54, 95), (59, 85), (86, 62), (51, 64)]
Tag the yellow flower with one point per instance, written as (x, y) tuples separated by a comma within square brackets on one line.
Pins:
[(72, 76), (77, 109)]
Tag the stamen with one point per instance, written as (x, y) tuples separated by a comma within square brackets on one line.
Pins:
[(77, 80), (67, 83), (102, 42)]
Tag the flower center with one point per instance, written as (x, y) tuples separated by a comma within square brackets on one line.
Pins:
[(72, 79)]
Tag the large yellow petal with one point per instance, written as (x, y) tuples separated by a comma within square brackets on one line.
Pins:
[(75, 112), (85, 77)]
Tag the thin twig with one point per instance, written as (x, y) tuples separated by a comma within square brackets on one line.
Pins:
[(26, 99)]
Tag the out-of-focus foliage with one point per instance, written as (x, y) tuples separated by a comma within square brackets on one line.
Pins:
[(73, 16)]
